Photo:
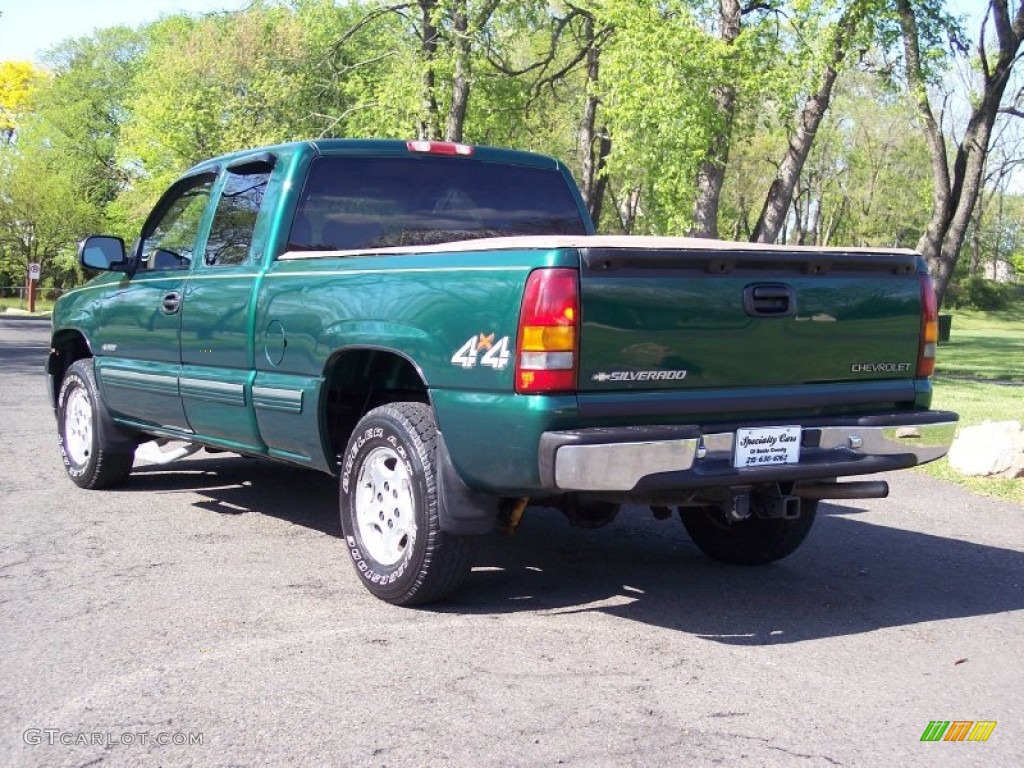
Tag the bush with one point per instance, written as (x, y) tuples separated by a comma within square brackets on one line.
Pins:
[(977, 293)]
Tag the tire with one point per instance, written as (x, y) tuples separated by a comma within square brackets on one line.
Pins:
[(755, 541), (389, 508), (90, 460)]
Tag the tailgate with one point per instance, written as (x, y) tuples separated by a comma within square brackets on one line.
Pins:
[(679, 319)]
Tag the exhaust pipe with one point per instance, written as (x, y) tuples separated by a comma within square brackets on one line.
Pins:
[(736, 507), (864, 489)]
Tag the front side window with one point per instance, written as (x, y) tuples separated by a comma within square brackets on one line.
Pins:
[(171, 241), (231, 234)]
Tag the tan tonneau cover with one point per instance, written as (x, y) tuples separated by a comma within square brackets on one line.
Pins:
[(552, 242)]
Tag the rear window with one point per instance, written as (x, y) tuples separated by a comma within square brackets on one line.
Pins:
[(351, 203)]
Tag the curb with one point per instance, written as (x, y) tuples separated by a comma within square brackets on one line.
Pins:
[(30, 318)]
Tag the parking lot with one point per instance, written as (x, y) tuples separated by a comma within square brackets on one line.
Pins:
[(206, 614)]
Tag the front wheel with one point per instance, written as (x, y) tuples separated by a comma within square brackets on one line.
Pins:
[(389, 508), (754, 541), (89, 459)]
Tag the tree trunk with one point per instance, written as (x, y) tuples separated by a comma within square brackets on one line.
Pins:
[(464, 24), (815, 215), (780, 194), (834, 220), (460, 82), (974, 266), (428, 123), (954, 194), (596, 203), (627, 209), (712, 170), (595, 143)]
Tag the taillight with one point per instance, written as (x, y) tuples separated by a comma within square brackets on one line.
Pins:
[(929, 328), (440, 148), (548, 333)]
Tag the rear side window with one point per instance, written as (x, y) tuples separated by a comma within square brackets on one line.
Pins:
[(350, 203), (233, 224)]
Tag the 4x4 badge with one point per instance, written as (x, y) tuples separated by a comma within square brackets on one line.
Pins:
[(496, 354)]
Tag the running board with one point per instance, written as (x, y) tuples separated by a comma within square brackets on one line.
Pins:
[(163, 451)]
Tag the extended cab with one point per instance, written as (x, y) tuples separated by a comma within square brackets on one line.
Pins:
[(439, 326)]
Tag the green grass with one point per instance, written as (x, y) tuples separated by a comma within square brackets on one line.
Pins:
[(985, 345), (980, 375), (977, 402), (42, 305)]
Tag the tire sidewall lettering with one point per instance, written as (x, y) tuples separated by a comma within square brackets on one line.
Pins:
[(71, 381), (350, 457), (360, 445)]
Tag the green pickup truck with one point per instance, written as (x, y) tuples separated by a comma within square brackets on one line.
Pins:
[(438, 325)]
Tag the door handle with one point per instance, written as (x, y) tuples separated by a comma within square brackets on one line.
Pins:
[(171, 303), (769, 300)]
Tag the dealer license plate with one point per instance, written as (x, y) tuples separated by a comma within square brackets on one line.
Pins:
[(766, 446)]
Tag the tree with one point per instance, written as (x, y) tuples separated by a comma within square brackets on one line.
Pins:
[(595, 139), (360, 75), (956, 186), (81, 111), (660, 112), (60, 174), (43, 211), (568, 64), (711, 174), (759, 117), (217, 84), (447, 36), (996, 233), (18, 81), (826, 45), (673, 73), (872, 168)]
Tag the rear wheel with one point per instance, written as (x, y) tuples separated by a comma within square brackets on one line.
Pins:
[(90, 461), (754, 541), (389, 508)]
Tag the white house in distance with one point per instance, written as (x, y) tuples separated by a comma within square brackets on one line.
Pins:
[(1001, 271)]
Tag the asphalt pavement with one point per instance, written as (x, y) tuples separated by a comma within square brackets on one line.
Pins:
[(207, 615)]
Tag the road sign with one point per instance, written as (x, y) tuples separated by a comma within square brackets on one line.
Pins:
[(34, 270)]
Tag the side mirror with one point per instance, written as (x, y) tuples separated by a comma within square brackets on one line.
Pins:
[(103, 252)]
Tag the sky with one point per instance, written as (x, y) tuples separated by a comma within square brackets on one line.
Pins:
[(29, 27)]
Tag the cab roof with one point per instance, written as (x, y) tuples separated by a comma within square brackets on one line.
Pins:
[(384, 148)]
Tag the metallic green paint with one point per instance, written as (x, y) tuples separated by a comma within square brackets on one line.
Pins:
[(692, 321), (246, 363), (493, 436)]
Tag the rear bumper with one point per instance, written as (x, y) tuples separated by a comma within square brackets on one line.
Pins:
[(666, 458)]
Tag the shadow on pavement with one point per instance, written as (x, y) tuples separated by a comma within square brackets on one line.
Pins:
[(850, 576), (24, 357), (232, 485)]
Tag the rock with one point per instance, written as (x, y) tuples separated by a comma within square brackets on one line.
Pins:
[(992, 448)]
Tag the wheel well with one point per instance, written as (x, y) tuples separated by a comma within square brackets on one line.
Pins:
[(359, 380), (65, 348)]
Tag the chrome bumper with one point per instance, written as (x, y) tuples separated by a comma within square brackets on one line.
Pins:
[(694, 459)]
